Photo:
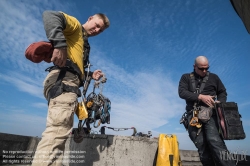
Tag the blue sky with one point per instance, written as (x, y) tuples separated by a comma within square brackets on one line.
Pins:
[(147, 48)]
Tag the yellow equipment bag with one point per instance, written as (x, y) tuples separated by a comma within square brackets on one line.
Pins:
[(81, 111), (168, 151)]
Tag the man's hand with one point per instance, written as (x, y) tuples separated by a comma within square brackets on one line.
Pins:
[(207, 99), (59, 56), (97, 74)]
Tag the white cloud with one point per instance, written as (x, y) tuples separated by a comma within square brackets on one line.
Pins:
[(244, 104), (23, 83), (21, 24), (143, 100), (15, 121), (246, 122), (40, 105)]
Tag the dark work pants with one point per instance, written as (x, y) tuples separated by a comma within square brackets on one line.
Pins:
[(211, 147)]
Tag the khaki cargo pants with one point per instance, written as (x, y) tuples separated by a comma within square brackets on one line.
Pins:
[(59, 122)]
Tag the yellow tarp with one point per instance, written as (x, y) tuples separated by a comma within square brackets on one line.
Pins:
[(168, 151)]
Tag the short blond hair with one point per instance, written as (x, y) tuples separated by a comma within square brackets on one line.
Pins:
[(104, 19)]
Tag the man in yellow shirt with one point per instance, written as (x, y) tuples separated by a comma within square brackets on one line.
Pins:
[(61, 86)]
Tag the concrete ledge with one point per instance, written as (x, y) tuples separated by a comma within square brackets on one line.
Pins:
[(11, 142), (17, 147), (99, 150)]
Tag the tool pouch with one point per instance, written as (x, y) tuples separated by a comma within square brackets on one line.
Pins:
[(205, 113)]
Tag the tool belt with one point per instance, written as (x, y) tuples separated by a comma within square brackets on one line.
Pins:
[(59, 86)]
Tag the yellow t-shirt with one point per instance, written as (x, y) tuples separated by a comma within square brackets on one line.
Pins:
[(73, 35)]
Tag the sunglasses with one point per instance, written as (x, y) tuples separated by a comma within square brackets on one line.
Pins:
[(202, 69)]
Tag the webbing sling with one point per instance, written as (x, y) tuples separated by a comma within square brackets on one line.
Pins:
[(184, 118)]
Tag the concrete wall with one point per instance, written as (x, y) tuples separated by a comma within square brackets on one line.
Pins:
[(108, 150), (16, 146), (100, 150)]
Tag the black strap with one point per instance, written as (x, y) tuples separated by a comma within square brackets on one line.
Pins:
[(193, 82), (86, 49), (199, 90), (204, 82), (102, 130), (60, 77), (57, 89), (69, 66)]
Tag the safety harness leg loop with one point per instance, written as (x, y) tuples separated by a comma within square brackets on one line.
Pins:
[(60, 87)]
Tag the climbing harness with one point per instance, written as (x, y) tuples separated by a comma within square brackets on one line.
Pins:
[(195, 120), (196, 108), (59, 87)]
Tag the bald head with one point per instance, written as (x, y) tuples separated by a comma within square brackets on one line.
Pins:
[(200, 60), (201, 65)]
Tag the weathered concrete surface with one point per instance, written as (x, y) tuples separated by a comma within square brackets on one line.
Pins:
[(10, 142), (190, 158), (17, 147), (108, 150), (100, 150)]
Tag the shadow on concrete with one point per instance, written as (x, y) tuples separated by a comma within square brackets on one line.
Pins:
[(17, 148), (90, 149), (155, 158)]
